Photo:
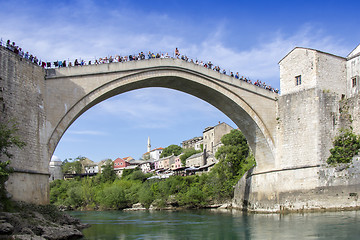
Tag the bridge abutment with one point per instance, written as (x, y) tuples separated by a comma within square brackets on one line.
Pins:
[(311, 111), (21, 101)]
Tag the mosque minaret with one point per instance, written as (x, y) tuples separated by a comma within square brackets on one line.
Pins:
[(148, 145)]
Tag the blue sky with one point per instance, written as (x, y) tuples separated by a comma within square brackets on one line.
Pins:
[(246, 36)]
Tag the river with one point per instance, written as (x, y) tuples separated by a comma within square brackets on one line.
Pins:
[(219, 224)]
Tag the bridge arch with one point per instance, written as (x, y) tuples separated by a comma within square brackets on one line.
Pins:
[(251, 108)]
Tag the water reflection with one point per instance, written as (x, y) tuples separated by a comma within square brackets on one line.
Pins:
[(219, 224)]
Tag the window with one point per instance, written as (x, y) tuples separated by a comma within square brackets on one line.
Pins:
[(354, 82), (298, 80)]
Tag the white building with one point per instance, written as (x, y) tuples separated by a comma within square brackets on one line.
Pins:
[(155, 153), (91, 168), (55, 169)]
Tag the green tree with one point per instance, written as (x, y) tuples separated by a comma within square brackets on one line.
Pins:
[(113, 197), (71, 166), (74, 197), (232, 155), (8, 139), (146, 194), (107, 172), (172, 149)]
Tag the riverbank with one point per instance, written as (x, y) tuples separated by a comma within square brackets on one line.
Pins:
[(29, 221), (186, 192)]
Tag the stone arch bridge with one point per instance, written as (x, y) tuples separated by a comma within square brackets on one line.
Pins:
[(290, 135), (71, 91), (47, 102)]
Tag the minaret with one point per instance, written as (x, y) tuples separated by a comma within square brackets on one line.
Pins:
[(148, 145)]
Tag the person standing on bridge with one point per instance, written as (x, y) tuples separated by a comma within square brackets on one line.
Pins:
[(177, 53)]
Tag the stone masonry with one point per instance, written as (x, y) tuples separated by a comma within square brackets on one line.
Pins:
[(21, 100), (309, 116), (289, 134)]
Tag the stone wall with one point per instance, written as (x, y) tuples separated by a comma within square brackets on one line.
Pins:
[(331, 73), (196, 160), (22, 84), (308, 120)]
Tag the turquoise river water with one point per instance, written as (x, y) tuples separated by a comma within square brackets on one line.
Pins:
[(219, 224)]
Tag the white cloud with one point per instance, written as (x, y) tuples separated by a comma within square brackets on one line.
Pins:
[(88, 132), (261, 60)]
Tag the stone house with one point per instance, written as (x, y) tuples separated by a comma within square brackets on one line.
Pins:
[(193, 143), (212, 136), (316, 84), (196, 160)]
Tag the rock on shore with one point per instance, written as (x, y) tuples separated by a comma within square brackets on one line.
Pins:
[(39, 222)]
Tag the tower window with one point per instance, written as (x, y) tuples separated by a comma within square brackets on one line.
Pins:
[(298, 80), (354, 82)]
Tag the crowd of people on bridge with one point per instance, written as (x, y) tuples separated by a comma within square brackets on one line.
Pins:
[(18, 50), (134, 57)]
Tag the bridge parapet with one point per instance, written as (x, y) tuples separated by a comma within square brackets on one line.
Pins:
[(153, 64)]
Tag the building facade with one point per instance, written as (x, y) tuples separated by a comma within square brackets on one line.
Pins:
[(212, 136), (155, 153), (196, 160), (193, 143), (120, 163), (177, 163)]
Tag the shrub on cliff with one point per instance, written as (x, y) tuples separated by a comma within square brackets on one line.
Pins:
[(8, 139), (346, 146)]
